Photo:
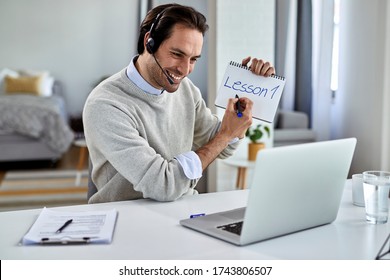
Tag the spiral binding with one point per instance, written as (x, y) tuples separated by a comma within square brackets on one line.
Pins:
[(236, 64)]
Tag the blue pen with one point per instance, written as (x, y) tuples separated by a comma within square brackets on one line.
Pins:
[(238, 106), (197, 215)]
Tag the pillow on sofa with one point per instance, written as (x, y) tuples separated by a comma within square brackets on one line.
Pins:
[(47, 81), (28, 85), (6, 72)]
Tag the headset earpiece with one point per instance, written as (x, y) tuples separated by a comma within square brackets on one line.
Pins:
[(150, 45)]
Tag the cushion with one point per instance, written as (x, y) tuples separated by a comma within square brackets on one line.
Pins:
[(6, 72), (46, 86), (47, 81), (29, 85), (292, 120)]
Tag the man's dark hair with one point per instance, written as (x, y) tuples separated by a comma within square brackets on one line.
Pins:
[(171, 14)]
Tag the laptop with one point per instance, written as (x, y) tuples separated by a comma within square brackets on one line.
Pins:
[(294, 188)]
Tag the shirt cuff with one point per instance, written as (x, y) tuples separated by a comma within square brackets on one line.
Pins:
[(191, 164), (234, 140)]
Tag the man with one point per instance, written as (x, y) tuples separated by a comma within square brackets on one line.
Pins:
[(148, 130)]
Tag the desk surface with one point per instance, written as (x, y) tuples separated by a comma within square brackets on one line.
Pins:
[(150, 230)]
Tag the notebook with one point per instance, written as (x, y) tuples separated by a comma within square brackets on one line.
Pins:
[(294, 188), (265, 92)]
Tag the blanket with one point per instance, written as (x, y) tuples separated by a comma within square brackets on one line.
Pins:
[(37, 117)]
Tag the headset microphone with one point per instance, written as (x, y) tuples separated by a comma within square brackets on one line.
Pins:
[(151, 45), (166, 75)]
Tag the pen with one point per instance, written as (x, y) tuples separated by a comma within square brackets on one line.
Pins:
[(64, 226), (197, 215), (238, 106)]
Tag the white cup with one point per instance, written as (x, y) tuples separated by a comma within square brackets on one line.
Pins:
[(357, 190)]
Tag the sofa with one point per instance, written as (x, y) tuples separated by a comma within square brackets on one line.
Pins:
[(292, 127)]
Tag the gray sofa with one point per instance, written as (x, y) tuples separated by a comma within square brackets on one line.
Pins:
[(292, 127)]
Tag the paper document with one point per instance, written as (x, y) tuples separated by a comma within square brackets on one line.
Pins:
[(59, 227)]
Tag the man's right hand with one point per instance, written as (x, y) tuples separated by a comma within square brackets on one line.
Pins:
[(232, 125)]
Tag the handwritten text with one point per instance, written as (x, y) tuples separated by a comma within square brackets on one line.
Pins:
[(250, 88)]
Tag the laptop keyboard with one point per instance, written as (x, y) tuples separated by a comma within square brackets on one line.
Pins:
[(233, 228)]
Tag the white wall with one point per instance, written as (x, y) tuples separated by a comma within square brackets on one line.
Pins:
[(363, 94), (385, 164), (77, 41)]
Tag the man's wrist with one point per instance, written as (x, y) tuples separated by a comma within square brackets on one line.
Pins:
[(210, 151)]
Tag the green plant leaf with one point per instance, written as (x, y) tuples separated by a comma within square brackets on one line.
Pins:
[(266, 128), (255, 133)]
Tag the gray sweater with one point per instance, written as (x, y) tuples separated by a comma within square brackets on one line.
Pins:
[(133, 138)]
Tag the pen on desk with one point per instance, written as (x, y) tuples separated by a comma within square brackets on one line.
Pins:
[(64, 226), (238, 107), (197, 215)]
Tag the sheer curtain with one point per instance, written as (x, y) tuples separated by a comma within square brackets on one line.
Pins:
[(303, 66), (322, 68), (285, 46), (304, 36)]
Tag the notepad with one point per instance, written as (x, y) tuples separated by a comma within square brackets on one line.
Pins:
[(265, 92), (86, 227)]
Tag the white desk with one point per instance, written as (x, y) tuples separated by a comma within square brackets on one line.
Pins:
[(150, 230)]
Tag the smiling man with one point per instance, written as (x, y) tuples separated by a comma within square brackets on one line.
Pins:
[(148, 130)]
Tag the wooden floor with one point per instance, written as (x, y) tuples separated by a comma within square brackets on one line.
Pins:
[(68, 161)]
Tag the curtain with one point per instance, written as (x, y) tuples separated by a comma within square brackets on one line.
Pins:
[(303, 67), (322, 98), (304, 41), (285, 45), (294, 53)]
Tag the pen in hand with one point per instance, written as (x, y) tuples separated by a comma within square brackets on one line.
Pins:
[(238, 107), (64, 226)]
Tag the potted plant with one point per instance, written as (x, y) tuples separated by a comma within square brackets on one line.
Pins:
[(256, 134)]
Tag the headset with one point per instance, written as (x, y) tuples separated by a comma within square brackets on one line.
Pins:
[(151, 44), (152, 48)]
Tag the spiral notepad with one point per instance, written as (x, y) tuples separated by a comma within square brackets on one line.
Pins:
[(265, 92)]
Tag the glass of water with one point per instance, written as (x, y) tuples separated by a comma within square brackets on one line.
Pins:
[(376, 186)]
